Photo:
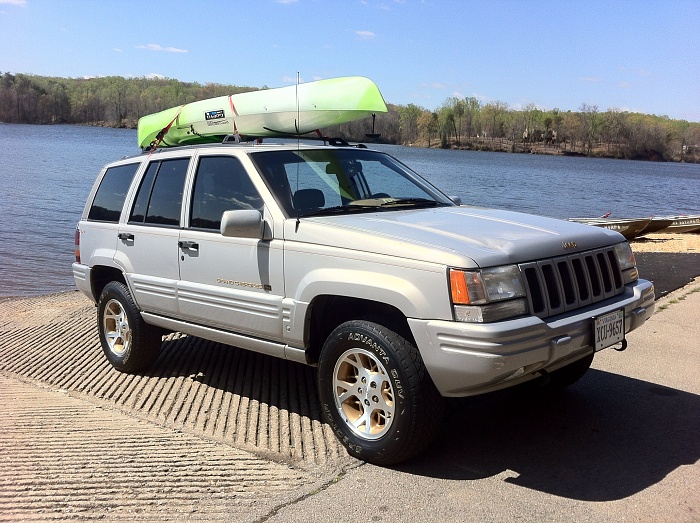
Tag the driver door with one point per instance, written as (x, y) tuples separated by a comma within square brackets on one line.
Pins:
[(236, 284)]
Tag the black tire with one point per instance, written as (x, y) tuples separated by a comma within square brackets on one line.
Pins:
[(376, 393), (569, 374), (130, 344)]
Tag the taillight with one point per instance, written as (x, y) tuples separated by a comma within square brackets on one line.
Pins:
[(77, 245)]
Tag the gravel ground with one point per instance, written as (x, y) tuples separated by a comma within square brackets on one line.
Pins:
[(667, 243), (671, 261)]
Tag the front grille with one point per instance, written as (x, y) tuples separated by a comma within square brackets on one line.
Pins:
[(566, 283)]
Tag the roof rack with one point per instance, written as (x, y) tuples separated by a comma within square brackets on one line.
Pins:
[(235, 139)]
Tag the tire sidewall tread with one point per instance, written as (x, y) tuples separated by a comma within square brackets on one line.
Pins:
[(145, 339), (418, 405)]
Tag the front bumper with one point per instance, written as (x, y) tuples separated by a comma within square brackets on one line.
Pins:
[(465, 359)]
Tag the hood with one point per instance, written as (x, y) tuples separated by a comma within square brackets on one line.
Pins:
[(455, 236)]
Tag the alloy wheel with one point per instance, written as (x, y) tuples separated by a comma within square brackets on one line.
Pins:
[(363, 393)]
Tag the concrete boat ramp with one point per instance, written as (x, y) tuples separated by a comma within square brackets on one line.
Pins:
[(210, 433), (214, 433)]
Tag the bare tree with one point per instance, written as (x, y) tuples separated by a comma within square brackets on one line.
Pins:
[(590, 120)]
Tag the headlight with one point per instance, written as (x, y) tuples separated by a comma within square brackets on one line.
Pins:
[(626, 261), (488, 295), (625, 256)]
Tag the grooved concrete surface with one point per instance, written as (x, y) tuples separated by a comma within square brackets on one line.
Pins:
[(210, 433), (189, 441)]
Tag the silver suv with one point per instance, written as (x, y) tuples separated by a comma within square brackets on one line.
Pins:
[(343, 258)]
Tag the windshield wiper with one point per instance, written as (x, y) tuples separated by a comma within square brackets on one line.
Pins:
[(340, 209), (412, 202), (372, 205)]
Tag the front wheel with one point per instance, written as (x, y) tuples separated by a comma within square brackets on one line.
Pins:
[(376, 393), (129, 343)]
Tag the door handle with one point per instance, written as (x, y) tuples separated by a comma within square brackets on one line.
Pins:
[(126, 236), (188, 245)]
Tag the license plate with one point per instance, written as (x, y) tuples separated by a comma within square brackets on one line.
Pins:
[(609, 329)]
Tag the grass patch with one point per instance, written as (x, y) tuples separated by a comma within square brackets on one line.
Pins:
[(679, 299)]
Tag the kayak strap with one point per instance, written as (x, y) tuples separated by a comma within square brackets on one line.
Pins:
[(233, 116), (159, 137)]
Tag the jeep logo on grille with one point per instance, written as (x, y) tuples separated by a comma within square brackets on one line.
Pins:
[(568, 245)]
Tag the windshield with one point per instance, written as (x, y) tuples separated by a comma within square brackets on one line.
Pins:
[(309, 182)]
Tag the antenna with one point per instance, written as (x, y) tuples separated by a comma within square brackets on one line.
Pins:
[(297, 122), (297, 127)]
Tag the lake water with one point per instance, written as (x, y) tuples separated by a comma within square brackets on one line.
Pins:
[(46, 173)]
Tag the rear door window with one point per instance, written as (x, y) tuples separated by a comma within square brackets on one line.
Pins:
[(159, 199), (110, 196)]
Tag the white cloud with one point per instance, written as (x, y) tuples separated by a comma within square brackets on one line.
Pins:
[(287, 2), (291, 79), (365, 35), (18, 3), (157, 47), (155, 76), (590, 79), (117, 50)]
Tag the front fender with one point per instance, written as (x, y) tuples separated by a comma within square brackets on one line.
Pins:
[(400, 292), (417, 294)]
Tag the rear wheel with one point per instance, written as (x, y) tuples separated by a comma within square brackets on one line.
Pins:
[(376, 393), (129, 343)]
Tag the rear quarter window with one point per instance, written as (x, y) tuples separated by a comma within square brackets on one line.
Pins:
[(109, 199)]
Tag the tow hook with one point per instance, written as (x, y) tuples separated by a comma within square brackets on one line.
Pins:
[(621, 347)]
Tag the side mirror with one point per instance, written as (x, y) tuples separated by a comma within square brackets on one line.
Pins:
[(456, 199), (243, 224)]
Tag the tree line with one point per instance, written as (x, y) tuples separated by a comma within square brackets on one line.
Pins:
[(110, 101), (466, 123)]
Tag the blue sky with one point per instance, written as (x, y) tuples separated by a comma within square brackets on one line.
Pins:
[(632, 55)]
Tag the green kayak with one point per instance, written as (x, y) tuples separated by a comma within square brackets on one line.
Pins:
[(296, 109)]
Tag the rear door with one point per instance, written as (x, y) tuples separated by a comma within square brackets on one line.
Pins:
[(147, 247), (232, 283)]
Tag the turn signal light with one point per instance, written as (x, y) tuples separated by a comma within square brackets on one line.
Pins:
[(458, 284)]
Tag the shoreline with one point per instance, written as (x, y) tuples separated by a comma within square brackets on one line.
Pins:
[(502, 145), (496, 145)]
